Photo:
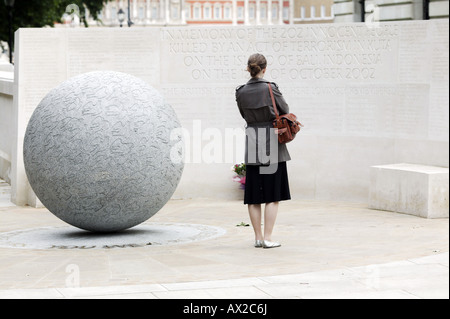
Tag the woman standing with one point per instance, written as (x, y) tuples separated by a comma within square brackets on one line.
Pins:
[(265, 158)]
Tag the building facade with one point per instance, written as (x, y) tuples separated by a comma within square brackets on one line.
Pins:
[(231, 12), (389, 10), (313, 11), (266, 12), (246, 12), (143, 13)]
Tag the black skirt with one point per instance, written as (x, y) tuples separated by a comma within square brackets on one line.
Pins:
[(266, 188)]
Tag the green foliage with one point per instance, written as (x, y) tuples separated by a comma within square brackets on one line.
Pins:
[(40, 13)]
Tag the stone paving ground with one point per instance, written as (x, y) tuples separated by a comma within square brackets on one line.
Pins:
[(329, 250)]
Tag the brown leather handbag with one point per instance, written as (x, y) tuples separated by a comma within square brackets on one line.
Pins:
[(286, 125)]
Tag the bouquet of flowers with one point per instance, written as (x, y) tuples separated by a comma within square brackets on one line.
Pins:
[(239, 170)]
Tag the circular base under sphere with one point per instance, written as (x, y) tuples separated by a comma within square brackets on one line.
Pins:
[(99, 151)]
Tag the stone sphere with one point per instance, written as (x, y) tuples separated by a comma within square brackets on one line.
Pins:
[(102, 152)]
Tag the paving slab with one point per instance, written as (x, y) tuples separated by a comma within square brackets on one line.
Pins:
[(329, 250)]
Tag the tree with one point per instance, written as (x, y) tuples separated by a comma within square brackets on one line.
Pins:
[(40, 13)]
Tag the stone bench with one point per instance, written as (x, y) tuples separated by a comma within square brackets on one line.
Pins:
[(411, 189)]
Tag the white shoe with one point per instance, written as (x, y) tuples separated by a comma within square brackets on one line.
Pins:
[(258, 243), (270, 244)]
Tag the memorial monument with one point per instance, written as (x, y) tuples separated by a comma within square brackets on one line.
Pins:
[(97, 151), (368, 95)]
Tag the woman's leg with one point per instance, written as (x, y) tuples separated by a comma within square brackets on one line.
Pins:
[(254, 210), (270, 216)]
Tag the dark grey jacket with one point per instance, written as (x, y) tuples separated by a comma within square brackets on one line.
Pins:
[(255, 104)]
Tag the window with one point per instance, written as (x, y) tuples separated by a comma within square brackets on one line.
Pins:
[(187, 11), (141, 13), (313, 12), (197, 11), (113, 13), (217, 11), (175, 10), (207, 11), (251, 11), (274, 11), (240, 13), (263, 11), (155, 12), (285, 13), (227, 12)]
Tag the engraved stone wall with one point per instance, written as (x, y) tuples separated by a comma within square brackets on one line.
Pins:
[(367, 94)]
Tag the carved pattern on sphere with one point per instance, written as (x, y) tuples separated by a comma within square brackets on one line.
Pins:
[(97, 151)]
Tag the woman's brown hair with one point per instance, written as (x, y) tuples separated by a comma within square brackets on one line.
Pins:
[(256, 63)]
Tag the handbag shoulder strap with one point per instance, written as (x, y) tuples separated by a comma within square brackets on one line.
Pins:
[(273, 100)]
